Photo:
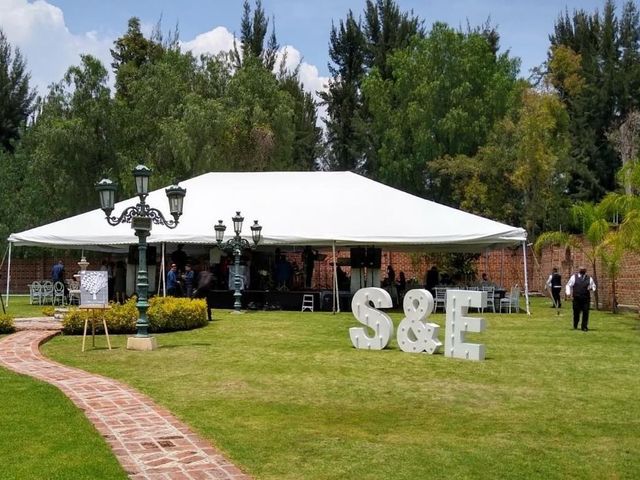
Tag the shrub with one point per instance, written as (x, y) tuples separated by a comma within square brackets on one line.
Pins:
[(164, 314), (120, 318), (48, 311), (6, 323), (169, 314)]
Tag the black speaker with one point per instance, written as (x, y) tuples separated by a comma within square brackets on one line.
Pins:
[(358, 257), (374, 257), (152, 253), (132, 257)]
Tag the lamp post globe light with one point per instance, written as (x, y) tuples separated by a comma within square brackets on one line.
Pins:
[(141, 217), (236, 245)]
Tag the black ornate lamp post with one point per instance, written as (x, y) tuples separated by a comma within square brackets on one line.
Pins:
[(141, 217), (236, 245)]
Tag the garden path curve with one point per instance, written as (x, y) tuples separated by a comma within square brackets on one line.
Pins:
[(147, 440)]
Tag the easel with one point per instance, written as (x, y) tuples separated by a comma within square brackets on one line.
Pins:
[(93, 309)]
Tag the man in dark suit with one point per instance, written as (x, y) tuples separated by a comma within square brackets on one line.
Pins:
[(580, 287)]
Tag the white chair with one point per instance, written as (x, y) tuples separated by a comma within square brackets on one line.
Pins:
[(35, 293), (307, 302), (491, 292), (511, 302), (47, 292), (58, 294), (440, 299), (74, 292)]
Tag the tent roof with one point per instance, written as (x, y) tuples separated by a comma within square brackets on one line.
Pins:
[(294, 208)]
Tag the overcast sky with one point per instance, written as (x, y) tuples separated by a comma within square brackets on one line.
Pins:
[(52, 33)]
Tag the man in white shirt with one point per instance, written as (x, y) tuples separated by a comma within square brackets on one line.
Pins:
[(580, 287), (554, 284)]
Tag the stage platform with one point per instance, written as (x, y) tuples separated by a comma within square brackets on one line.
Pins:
[(289, 300)]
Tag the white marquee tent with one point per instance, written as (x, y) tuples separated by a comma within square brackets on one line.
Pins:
[(294, 208)]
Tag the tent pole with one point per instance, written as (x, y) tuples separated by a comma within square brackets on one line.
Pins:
[(164, 277), (336, 292), (8, 275), (526, 280)]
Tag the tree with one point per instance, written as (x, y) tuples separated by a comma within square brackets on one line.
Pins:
[(593, 62), (387, 29), (71, 142), (519, 175), (307, 134), (447, 92), (345, 126), (355, 50), (253, 31), (16, 98), (130, 53)]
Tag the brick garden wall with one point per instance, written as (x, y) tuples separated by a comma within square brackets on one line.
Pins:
[(26, 270), (504, 267)]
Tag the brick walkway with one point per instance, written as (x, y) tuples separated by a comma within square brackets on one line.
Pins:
[(147, 440)]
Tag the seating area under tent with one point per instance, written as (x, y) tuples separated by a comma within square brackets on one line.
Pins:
[(319, 212)]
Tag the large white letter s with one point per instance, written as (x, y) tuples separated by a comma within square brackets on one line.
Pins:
[(373, 318)]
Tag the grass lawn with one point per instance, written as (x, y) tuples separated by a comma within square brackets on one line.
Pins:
[(286, 396), (19, 307), (44, 436)]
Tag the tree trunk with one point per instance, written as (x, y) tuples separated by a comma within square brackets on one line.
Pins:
[(595, 279), (614, 298)]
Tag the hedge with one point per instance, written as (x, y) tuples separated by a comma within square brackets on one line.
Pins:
[(165, 314), (7, 325)]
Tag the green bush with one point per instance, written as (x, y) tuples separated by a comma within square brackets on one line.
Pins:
[(6, 323), (48, 311), (169, 314), (120, 318), (164, 314)]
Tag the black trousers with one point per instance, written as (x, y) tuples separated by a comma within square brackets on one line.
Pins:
[(555, 292), (207, 294), (581, 305)]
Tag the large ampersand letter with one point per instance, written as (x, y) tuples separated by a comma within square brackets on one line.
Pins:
[(458, 303), (414, 335), (378, 321)]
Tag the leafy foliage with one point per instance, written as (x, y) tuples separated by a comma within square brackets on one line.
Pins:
[(447, 92), (169, 314), (6, 323), (593, 63), (16, 98), (165, 314), (180, 115)]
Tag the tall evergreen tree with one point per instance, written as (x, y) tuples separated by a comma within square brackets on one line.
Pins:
[(16, 98), (130, 53), (386, 29), (345, 134), (356, 49), (609, 86), (253, 31)]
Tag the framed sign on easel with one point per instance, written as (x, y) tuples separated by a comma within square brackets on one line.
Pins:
[(94, 296)]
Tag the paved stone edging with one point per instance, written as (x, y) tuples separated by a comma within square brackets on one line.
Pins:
[(147, 440)]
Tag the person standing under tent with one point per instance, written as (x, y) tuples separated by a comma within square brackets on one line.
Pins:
[(401, 286), (206, 280), (579, 287), (554, 283), (57, 272), (120, 282), (309, 256), (188, 277), (433, 279), (173, 287), (179, 257)]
